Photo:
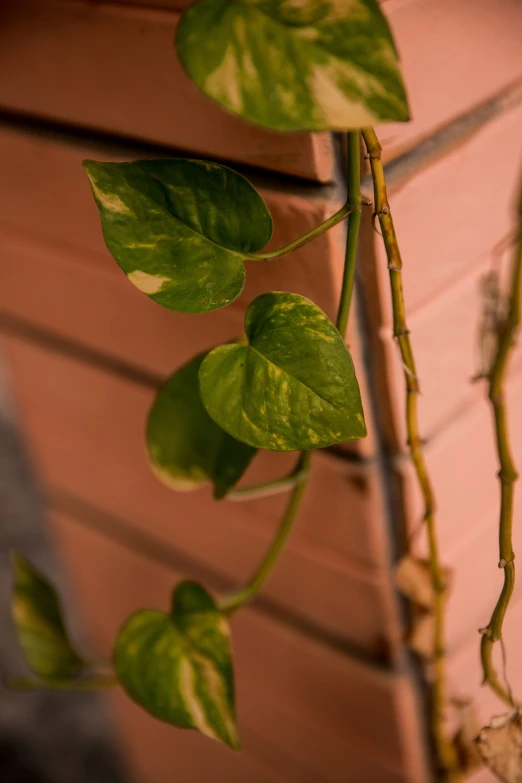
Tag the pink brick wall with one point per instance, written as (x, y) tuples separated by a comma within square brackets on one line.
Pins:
[(325, 689)]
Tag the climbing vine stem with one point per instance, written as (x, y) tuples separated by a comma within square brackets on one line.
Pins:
[(353, 198), (446, 754), (506, 335), (299, 476)]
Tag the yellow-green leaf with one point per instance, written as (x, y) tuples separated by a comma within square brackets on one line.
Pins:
[(178, 666), (291, 385), (288, 66), (186, 448), (40, 625), (180, 229)]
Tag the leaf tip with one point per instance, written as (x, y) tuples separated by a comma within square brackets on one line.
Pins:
[(18, 561), (88, 165), (233, 743), (21, 566)]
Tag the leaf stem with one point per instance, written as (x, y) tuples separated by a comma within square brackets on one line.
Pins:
[(232, 603), (507, 473), (301, 472), (267, 488), (446, 753), (332, 221)]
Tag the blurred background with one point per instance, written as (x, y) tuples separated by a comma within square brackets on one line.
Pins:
[(326, 688)]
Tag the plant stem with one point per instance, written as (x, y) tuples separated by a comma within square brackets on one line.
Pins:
[(332, 221), (446, 753), (507, 474), (267, 488), (353, 200), (232, 603)]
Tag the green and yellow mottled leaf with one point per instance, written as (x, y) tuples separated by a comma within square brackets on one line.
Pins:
[(179, 229), (186, 448), (178, 666), (292, 385), (294, 65), (40, 626)]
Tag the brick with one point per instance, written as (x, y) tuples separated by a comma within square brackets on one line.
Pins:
[(32, 166), (113, 68), (315, 705), (455, 56), (450, 215), (463, 466), (446, 339), (57, 244), (86, 427), (441, 273)]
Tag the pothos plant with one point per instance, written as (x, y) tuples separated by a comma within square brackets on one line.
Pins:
[(184, 233)]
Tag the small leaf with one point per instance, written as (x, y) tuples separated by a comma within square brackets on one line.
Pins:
[(187, 449), (500, 746), (40, 626), (178, 666), (292, 386), (179, 229), (290, 66)]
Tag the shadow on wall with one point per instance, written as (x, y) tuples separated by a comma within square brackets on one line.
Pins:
[(44, 737)]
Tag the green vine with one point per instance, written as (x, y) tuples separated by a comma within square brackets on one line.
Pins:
[(506, 330), (446, 753)]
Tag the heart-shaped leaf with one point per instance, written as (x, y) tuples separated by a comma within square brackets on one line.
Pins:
[(291, 386), (289, 66), (187, 449), (178, 666), (179, 229), (40, 625)]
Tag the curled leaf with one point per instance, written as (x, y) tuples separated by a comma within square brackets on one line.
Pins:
[(40, 625), (186, 448), (466, 734), (500, 747), (292, 386), (288, 66), (178, 666), (413, 579), (422, 636), (179, 229)]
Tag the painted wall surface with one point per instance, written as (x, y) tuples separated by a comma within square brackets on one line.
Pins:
[(326, 690)]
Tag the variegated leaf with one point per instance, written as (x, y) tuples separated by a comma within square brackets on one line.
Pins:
[(180, 229), (178, 666), (294, 65), (186, 448), (291, 385), (40, 625)]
